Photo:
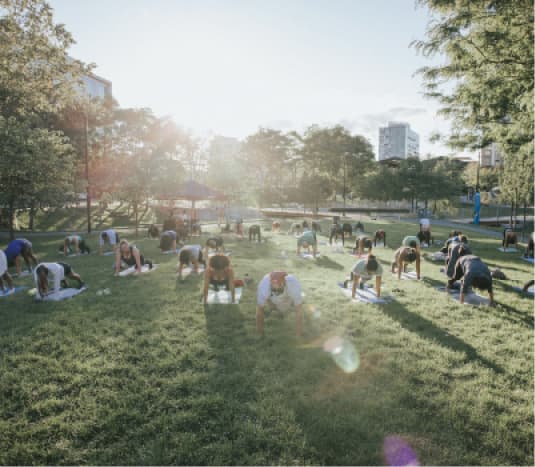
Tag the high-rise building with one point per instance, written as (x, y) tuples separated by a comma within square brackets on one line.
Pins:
[(491, 156), (398, 141)]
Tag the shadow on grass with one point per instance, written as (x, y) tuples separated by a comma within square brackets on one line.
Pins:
[(326, 262), (426, 329)]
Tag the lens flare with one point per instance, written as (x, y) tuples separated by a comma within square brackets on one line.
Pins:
[(343, 353), (397, 452)]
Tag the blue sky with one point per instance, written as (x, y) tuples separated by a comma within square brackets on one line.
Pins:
[(230, 66)]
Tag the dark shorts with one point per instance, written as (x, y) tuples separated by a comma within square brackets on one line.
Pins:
[(66, 268)]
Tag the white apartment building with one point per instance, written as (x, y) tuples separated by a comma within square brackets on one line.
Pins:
[(398, 141)]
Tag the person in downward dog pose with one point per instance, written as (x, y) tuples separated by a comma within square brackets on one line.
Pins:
[(219, 273), (280, 291), (110, 237), (4, 274), (403, 256), (472, 272), (255, 233), (19, 249), (190, 255), (131, 256), (57, 272), (363, 270), (306, 240)]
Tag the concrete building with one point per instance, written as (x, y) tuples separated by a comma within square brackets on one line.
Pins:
[(491, 156), (398, 141), (95, 86)]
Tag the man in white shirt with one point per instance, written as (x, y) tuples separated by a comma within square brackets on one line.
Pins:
[(108, 236), (4, 275), (281, 291)]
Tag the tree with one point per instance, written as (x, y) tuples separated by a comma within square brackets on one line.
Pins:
[(265, 155), (37, 79), (486, 84), (35, 163), (343, 158)]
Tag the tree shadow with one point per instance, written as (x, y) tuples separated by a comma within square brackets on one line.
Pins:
[(427, 330), (326, 262)]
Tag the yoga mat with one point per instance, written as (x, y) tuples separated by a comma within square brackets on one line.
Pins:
[(309, 255), (471, 298), (366, 295), (528, 260), (530, 291), (189, 270), (23, 274), (507, 250), (169, 252), (9, 292), (108, 253), (63, 294), (132, 270), (223, 296), (437, 256), (407, 276)]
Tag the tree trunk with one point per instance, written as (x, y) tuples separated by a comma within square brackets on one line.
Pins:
[(511, 214), (136, 218), (11, 219), (33, 211)]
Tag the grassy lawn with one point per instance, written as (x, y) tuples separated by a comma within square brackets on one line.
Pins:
[(147, 375)]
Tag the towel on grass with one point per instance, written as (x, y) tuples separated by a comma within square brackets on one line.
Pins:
[(437, 256), (408, 276), (508, 250), (189, 270), (171, 252), (529, 260), (223, 297), (9, 292), (471, 298), (366, 295), (132, 270), (306, 255), (530, 291), (62, 294), (23, 274), (108, 253)]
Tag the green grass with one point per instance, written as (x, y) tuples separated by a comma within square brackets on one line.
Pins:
[(147, 375)]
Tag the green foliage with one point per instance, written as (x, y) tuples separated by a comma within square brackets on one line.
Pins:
[(337, 154), (489, 177), (35, 164), (412, 179), (486, 85), (265, 155), (36, 74)]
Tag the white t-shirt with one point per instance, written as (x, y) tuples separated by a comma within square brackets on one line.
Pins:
[(290, 297), (56, 274), (112, 236), (3, 263), (425, 224)]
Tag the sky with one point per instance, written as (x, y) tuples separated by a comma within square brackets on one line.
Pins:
[(228, 67)]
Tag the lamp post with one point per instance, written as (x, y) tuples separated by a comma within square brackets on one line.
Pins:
[(86, 154)]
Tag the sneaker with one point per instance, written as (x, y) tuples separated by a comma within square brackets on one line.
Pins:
[(150, 264), (81, 285)]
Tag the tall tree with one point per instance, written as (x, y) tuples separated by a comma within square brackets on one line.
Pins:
[(35, 163), (37, 79), (343, 158), (486, 83), (265, 154)]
